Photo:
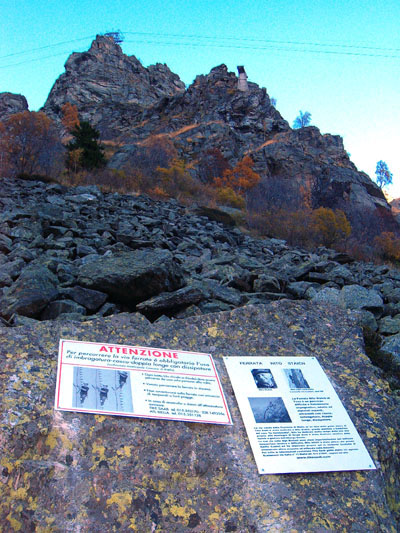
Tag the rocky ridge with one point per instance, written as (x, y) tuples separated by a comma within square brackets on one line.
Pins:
[(109, 88), (79, 254), (130, 104)]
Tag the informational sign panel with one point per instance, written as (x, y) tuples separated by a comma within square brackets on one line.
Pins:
[(294, 419), (139, 381)]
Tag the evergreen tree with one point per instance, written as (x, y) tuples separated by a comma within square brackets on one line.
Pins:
[(85, 140)]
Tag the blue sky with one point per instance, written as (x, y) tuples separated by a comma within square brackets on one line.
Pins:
[(338, 59)]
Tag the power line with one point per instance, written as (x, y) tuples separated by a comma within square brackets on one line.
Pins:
[(208, 37), (33, 60), (224, 42), (268, 47), (47, 46)]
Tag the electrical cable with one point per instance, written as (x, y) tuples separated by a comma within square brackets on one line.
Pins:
[(338, 45), (47, 46), (303, 50), (223, 42)]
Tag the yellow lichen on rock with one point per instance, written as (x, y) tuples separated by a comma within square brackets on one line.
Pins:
[(121, 499)]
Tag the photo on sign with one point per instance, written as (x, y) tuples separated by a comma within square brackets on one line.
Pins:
[(269, 410), (98, 388), (263, 378), (296, 378)]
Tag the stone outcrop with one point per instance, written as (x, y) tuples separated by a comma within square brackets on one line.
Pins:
[(129, 104), (11, 103), (213, 113), (109, 88), (80, 472)]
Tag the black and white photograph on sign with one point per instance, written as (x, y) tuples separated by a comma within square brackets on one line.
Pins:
[(139, 381), (98, 388), (296, 378), (269, 410), (263, 378), (297, 423)]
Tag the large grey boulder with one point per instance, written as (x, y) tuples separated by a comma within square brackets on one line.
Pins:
[(391, 351), (357, 297), (30, 293), (70, 472), (132, 277), (173, 301)]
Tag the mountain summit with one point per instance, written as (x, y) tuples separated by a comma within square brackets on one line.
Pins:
[(212, 125), (219, 112), (109, 88)]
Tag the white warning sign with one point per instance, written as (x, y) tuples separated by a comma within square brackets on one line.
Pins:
[(139, 381)]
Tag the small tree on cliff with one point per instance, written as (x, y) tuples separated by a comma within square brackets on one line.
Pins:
[(241, 178), (85, 139), (302, 120), (383, 176), (70, 117)]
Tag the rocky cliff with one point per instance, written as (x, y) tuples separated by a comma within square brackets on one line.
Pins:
[(131, 104), (128, 102), (110, 89)]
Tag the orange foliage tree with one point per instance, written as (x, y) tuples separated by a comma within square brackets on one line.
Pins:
[(30, 144), (241, 178), (175, 180), (70, 118), (387, 245), (331, 226)]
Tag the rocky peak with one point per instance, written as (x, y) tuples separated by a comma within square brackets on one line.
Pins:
[(110, 88), (105, 44), (213, 112), (130, 103), (12, 103)]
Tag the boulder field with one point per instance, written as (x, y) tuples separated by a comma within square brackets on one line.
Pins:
[(78, 253), (77, 263)]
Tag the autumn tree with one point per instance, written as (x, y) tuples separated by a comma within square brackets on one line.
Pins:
[(86, 139), (241, 178), (30, 144), (212, 164), (387, 245), (331, 226), (175, 180), (70, 118)]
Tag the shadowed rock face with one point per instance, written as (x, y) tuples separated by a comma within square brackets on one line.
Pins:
[(80, 472)]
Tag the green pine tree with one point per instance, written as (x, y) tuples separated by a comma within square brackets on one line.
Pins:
[(86, 140)]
